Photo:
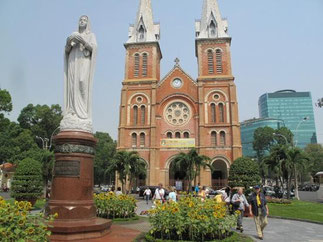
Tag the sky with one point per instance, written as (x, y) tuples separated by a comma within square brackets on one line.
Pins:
[(275, 45)]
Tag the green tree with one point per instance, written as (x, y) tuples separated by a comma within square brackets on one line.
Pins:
[(263, 138), (41, 120), (244, 172), (315, 154), (191, 163), (27, 182), (104, 153), (124, 163), (5, 101)]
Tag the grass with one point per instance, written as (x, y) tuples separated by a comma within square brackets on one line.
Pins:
[(133, 220), (236, 237), (298, 210)]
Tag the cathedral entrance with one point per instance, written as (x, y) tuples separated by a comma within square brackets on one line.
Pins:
[(220, 174), (177, 178)]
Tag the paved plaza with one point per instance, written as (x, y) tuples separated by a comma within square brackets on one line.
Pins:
[(278, 230)]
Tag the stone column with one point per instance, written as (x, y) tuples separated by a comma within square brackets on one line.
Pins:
[(72, 189)]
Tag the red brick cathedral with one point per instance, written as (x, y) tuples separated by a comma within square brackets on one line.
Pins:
[(160, 117)]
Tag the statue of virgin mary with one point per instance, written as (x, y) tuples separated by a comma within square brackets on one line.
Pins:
[(79, 62)]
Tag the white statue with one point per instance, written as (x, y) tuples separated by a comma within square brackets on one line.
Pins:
[(79, 62)]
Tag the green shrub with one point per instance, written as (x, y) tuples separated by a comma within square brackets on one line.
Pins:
[(27, 181), (244, 172), (108, 205), (278, 201), (18, 224), (191, 219)]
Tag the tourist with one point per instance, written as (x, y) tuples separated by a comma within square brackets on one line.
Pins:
[(118, 192), (219, 198), (202, 193), (159, 193), (240, 202), (172, 196), (259, 210), (147, 194), (197, 189)]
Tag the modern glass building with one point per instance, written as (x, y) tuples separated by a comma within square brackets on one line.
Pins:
[(248, 128), (295, 109)]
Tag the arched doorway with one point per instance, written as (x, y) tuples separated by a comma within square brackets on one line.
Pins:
[(177, 177), (219, 174)]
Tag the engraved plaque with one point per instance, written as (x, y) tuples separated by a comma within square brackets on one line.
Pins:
[(67, 168)]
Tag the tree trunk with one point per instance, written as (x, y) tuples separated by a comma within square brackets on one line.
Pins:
[(296, 183)]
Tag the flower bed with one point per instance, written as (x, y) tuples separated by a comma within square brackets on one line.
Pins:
[(191, 219), (18, 224), (279, 201), (108, 205)]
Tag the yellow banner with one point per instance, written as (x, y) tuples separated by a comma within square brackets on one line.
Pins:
[(177, 143)]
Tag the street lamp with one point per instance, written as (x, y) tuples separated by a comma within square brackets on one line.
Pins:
[(275, 134), (298, 125), (44, 142)]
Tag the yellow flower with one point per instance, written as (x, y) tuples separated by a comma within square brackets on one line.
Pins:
[(30, 230), (56, 215), (21, 222), (21, 205)]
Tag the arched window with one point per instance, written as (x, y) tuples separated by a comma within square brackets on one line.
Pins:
[(213, 113), (134, 140), (210, 61), (213, 138), (186, 135), (135, 115), (177, 135), (144, 64), (142, 139), (218, 56), (142, 115), (221, 111), (137, 59), (169, 135), (222, 138), (212, 29)]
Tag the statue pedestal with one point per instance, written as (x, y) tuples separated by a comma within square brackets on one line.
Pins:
[(72, 189)]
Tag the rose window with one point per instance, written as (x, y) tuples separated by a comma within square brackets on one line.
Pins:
[(177, 113)]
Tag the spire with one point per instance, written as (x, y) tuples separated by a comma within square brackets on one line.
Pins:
[(211, 24), (144, 29)]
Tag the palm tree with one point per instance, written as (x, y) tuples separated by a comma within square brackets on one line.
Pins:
[(191, 163), (128, 165), (298, 159)]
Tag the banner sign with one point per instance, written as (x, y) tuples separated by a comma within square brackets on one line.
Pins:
[(177, 143)]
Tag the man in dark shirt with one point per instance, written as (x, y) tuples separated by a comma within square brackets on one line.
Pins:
[(259, 210)]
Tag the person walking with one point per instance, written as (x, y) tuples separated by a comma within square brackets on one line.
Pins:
[(172, 196), (259, 210), (159, 193), (147, 194), (240, 203)]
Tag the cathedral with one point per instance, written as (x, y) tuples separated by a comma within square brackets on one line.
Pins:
[(161, 117)]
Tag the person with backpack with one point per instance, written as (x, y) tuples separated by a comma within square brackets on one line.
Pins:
[(240, 203)]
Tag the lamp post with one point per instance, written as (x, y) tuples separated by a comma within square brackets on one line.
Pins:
[(297, 127)]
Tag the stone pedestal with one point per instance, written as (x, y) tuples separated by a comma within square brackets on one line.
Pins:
[(72, 189)]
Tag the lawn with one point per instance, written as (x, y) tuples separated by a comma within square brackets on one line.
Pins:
[(298, 210)]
